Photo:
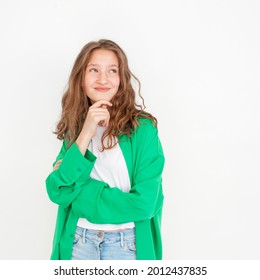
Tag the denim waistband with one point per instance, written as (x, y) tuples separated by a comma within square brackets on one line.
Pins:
[(100, 234), (127, 231)]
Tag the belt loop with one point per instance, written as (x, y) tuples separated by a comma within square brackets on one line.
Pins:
[(122, 239), (84, 235)]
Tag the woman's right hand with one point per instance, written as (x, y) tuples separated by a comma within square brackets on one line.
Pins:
[(97, 115)]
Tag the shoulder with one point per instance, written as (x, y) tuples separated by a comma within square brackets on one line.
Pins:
[(146, 125), (146, 140), (146, 130)]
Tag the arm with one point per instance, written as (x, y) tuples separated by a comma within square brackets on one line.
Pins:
[(100, 203), (64, 184)]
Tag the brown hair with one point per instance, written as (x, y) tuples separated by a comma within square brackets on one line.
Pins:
[(125, 112)]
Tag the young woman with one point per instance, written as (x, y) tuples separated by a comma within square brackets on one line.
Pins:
[(106, 178)]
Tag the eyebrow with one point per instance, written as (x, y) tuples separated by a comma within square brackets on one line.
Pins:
[(111, 65)]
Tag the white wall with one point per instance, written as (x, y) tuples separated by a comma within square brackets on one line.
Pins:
[(199, 66)]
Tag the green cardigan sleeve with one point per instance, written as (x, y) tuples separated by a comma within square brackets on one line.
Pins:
[(100, 203), (63, 184)]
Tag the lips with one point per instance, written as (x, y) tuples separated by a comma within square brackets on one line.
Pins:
[(102, 89)]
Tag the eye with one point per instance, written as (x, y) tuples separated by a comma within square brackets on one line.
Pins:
[(114, 71), (93, 70)]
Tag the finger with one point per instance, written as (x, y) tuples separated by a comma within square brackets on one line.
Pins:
[(106, 121), (98, 110), (57, 164), (101, 118), (99, 103), (99, 113)]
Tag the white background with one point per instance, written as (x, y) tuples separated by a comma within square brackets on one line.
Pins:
[(198, 62)]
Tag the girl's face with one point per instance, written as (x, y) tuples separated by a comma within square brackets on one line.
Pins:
[(102, 79)]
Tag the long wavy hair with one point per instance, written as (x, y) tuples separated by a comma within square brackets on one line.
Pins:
[(125, 113)]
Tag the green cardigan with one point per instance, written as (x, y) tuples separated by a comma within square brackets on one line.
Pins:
[(78, 195)]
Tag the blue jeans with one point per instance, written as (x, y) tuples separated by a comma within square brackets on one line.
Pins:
[(92, 244)]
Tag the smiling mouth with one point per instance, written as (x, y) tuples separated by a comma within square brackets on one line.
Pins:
[(102, 89)]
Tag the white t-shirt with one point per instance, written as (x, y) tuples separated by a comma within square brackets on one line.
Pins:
[(106, 169)]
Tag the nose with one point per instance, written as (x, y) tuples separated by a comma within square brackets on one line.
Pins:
[(102, 78)]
